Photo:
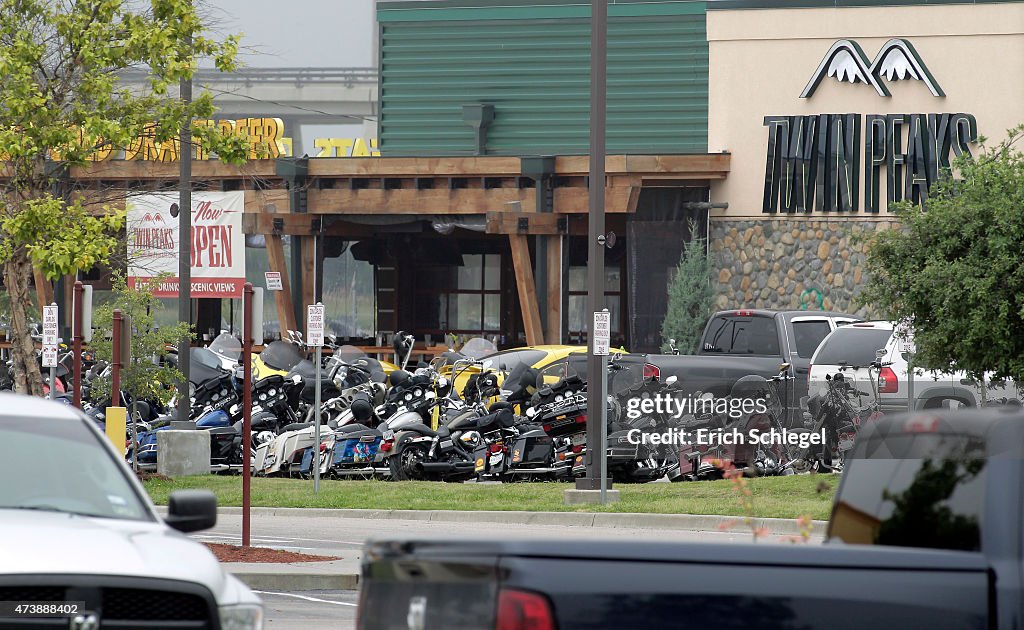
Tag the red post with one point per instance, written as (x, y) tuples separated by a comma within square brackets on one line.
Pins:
[(246, 406), (76, 307), (115, 385)]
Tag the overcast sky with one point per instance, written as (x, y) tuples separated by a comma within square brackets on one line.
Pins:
[(298, 33)]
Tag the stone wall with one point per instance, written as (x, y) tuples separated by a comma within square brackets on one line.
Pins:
[(779, 263)]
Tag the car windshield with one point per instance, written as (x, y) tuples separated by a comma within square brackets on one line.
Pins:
[(61, 466), (852, 346)]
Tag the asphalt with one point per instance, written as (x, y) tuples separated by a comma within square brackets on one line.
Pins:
[(343, 574)]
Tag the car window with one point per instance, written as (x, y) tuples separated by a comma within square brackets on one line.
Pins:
[(854, 346), (742, 335), (807, 334), (913, 490), (61, 465)]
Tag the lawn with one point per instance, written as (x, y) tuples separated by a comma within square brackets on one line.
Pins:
[(782, 497)]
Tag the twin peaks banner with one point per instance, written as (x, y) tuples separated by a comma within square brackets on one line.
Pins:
[(218, 245)]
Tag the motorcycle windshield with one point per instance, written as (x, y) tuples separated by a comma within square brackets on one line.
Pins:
[(203, 366), (227, 346), (281, 355), (478, 348)]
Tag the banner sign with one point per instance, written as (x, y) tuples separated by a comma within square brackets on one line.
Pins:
[(218, 245)]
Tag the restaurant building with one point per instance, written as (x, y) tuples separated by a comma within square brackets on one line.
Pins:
[(806, 119)]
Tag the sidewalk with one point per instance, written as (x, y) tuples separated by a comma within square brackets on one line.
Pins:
[(344, 574)]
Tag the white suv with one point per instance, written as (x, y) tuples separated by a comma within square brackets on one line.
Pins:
[(81, 545), (852, 348)]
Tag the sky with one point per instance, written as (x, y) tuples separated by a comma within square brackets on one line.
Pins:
[(298, 33)]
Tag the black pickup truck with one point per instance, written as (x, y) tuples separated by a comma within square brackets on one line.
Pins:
[(926, 532), (739, 343)]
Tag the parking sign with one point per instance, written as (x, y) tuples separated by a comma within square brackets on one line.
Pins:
[(50, 336), (315, 325), (602, 332)]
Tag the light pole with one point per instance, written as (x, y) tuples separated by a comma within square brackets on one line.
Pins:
[(185, 248), (595, 242)]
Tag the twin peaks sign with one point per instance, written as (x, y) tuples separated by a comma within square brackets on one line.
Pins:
[(822, 162)]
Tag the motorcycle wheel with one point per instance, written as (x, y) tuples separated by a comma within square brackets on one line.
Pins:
[(403, 465)]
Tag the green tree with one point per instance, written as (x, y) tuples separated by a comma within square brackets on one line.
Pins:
[(62, 104), (147, 376), (689, 298), (953, 272)]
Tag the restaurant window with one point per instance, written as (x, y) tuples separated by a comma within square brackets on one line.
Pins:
[(463, 299), (579, 319)]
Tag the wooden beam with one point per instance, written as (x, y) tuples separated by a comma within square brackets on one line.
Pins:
[(308, 276), (527, 290), (415, 166), (44, 290), (282, 298), (509, 223), (553, 332)]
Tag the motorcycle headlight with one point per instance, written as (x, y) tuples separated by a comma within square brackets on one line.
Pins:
[(241, 617), (191, 389)]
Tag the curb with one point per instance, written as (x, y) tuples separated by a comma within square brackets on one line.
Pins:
[(611, 520), (259, 581)]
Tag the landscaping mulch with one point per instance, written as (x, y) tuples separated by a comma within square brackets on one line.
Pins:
[(235, 553)]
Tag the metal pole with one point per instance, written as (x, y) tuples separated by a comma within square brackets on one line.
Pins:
[(604, 435), (595, 250), (316, 423), (185, 249), (247, 293), (79, 295), (115, 363)]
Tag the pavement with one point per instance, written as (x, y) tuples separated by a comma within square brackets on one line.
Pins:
[(342, 533)]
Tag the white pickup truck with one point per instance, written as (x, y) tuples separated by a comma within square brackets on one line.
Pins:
[(81, 545)]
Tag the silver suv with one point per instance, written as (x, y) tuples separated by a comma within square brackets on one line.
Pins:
[(852, 348), (81, 545)]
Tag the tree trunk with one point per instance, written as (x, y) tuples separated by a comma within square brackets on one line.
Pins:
[(27, 377)]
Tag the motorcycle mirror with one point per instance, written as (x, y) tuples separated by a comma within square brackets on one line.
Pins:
[(671, 380), (880, 353)]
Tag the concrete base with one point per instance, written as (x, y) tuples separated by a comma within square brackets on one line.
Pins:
[(183, 453), (579, 497)]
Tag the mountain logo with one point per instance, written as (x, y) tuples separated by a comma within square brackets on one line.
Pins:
[(896, 61)]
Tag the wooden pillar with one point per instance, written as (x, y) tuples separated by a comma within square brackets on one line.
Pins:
[(527, 291), (308, 277), (553, 332), (44, 290), (282, 298)]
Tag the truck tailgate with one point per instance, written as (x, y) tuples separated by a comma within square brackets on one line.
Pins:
[(657, 585)]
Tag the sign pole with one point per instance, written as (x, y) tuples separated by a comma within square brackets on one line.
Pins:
[(115, 380), (315, 338), (247, 293), (79, 295), (50, 316)]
